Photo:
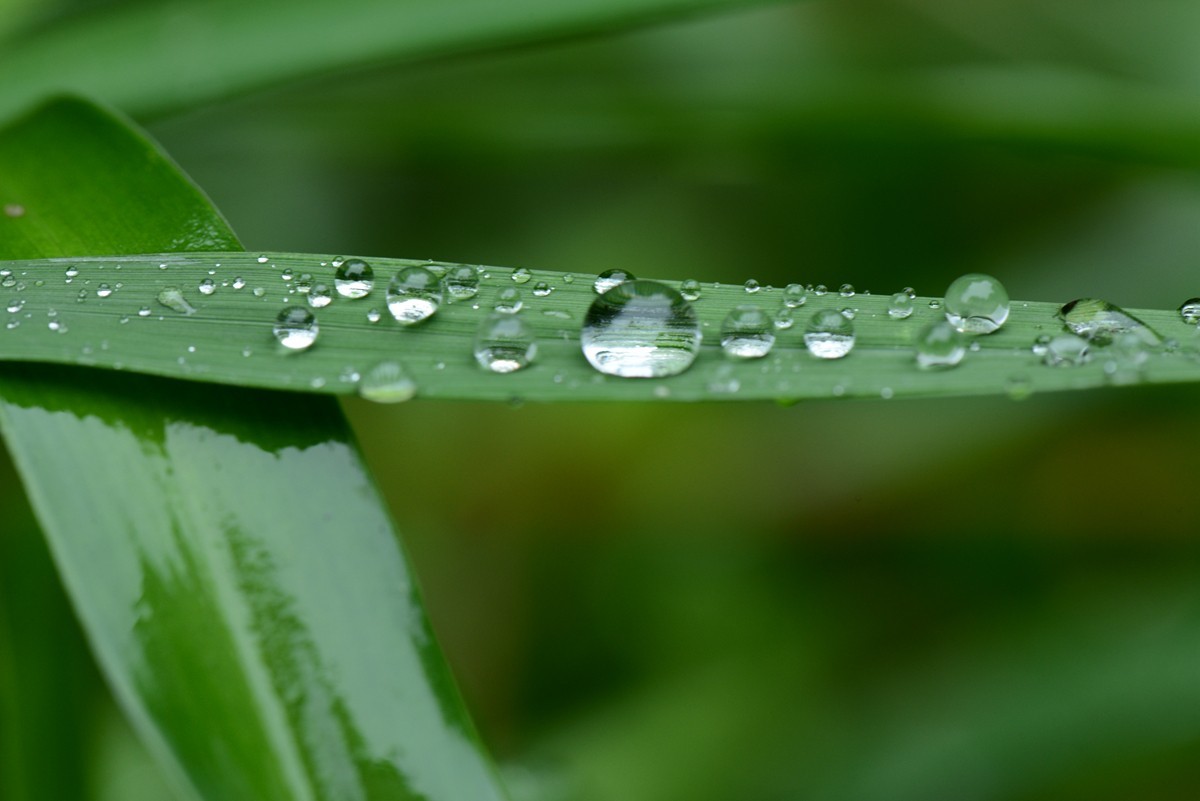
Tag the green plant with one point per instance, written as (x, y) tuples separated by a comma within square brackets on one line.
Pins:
[(237, 575)]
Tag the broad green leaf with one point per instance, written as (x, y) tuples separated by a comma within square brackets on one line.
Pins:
[(151, 57), (107, 312), (228, 555)]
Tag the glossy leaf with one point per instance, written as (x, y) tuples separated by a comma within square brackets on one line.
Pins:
[(231, 561)]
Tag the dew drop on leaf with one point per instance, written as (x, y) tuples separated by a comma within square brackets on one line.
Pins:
[(747, 333), (521, 275), (296, 328), (900, 306), (1067, 350), (320, 296), (1190, 311), (611, 278), (794, 295), (173, 299), (976, 304), (690, 289), (461, 283), (504, 343), (207, 286), (387, 382), (508, 300), (640, 329), (940, 345), (414, 295), (1101, 322), (829, 335), (353, 278)]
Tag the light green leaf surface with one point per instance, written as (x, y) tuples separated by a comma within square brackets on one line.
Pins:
[(228, 555), (151, 57), (105, 312)]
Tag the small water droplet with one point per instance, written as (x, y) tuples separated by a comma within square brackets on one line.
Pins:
[(71, 272), (521, 275), (542, 289), (751, 286), (304, 284), (259, 291), (568, 278), (829, 335), (1101, 322), (262, 259), (1067, 350), (820, 291), (239, 283), (387, 382), (846, 290), (504, 343), (414, 295), (296, 328), (287, 274), (373, 316), (353, 278), (690, 289), (794, 295), (320, 296), (976, 304), (640, 329), (508, 300), (1190, 311), (15, 305), (784, 318), (173, 299), (144, 311), (900, 306), (207, 286), (461, 283), (849, 313), (104, 291), (747, 333), (611, 278), (940, 345)]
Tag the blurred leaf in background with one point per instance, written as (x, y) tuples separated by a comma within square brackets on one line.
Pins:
[(967, 599)]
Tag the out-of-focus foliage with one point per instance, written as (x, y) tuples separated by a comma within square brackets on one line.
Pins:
[(974, 599)]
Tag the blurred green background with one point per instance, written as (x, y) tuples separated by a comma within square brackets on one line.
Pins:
[(941, 599)]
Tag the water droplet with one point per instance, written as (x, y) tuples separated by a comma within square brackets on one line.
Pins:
[(71, 272), (144, 311), (104, 291), (296, 328), (304, 284), (1067, 350), (521, 275), (940, 345), (794, 295), (640, 329), (690, 289), (568, 278), (820, 291), (15, 305), (353, 278), (751, 286), (846, 290), (976, 304), (784, 318), (174, 300), (373, 316), (387, 382), (320, 296), (542, 289), (504, 343), (287, 274), (262, 259), (508, 300), (461, 283), (1101, 321), (848, 313), (829, 335), (259, 291), (1190, 311), (900, 306), (747, 333), (935, 303), (414, 295), (611, 278), (239, 283)]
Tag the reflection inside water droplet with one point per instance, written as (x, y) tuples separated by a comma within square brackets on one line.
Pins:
[(640, 329), (354, 279), (747, 333), (414, 295), (829, 335), (296, 328)]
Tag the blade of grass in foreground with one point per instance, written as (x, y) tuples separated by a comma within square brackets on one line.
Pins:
[(149, 57), (217, 326), (228, 555)]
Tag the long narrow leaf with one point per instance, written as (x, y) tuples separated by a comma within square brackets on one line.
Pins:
[(231, 561)]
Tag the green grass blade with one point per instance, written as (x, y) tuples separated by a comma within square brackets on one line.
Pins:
[(227, 553), (149, 57), (228, 338)]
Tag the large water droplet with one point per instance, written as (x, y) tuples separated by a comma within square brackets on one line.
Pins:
[(354, 278), (296, 328), (747, 333), (1067, 350), (461, 283), (320, 296), (504, 343), (976, 304), (900, 306), (387, 382), (1101, 322), (414, 295), (611, 278), (640, 329), (829, 335), (940, 345)]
